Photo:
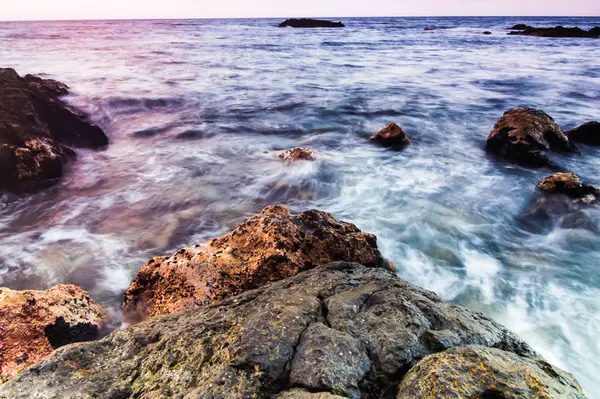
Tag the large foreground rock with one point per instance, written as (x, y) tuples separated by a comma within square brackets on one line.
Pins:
[(525, 135), (341, 329), (310, 23), (37, 129), (557, 31), (34, 323), (588, 133), (270, 246)]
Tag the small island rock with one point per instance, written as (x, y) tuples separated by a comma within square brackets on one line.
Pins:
[(588, 133), (558, 31), (391, 135), (310, 23)]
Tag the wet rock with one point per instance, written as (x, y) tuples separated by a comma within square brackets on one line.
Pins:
[(487, 32), (365, 324), (391, 135), (487, 373), (37, 129), (298, 154), (567, 183), (34, 323), (310, 23), (520, 27), (429, 29), (558, 31), (524, 135), (270, 246), (588, 133)]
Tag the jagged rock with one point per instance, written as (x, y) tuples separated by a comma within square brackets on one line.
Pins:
[(365, 324), (520, 27), (588, 133), (569, 184), (37, 128), (34, 323), (557, 31), (310, 23), (487, 373), (524, 135), (270, 246), (391, 135), (298, 154)]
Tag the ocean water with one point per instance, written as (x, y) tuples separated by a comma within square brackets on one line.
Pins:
[(196, 108)]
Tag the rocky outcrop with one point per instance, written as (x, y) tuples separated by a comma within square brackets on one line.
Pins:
[(310, 23), (339, 329), (558, 31), (37, 129), (298, 154), (570, 185), (267, 247), (525, 135), (588, 133), (392, 136), (520, 27), (34, 323), (479, 372)]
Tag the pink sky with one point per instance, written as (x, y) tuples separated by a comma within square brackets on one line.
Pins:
[(101, 9)]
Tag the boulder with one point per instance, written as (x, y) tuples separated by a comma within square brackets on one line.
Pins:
[(338, 329), (310, 23), (487, 32), (34, 323), (37, 129), (520, 27), (391, 135), (270, 246), (525, 135), (487, 373), (570, 185), (298, 154), (588, 133), (558, 31)]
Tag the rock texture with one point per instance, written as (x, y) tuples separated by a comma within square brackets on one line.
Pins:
[(298, 154), (520, 27), (487, 373), (525, 135), (588, 133), (570, 185), (340, 329), (270, 246), (310, 23), (558, 31), (391, 135), (37, 129), (34, 323)]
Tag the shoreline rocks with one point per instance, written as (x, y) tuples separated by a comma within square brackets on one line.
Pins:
[(391, 136), (588, 133), (310, 23), (270, 246), (557, 32), (570, 185), (37, 130), (34, 323), (298, 154)]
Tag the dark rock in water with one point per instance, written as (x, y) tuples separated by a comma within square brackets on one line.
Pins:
[(558, 31), (34, 323), (191, 135), (487, 373), (595, 31), (298, 154), (588, 133), (487, 32), (570, 185), (524, 135), (267, 247), (37, 128), (338, 329), (391, 135), (520, 27), (429, 29), (310, 23)]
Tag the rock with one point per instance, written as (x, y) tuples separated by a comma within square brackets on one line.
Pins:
[(588, 133), (524, 135), (37, 128), (310, 23), (487, 32), (34, 323), (479, 372), (302, 394), (360, 321), (570, 185), (558, 31), (429, 29), (520, 27), (267, 247), (298, 154), (391, 135), (595, 31)]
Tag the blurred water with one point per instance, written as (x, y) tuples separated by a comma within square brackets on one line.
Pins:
[(448, 215)]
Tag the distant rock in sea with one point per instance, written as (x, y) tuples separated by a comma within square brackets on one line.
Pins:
[(392, 136), (588, 133), (520, 27), (310, 23), (487, 32), (558, 31)]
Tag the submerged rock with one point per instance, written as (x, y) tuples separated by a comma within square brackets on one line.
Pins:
[(267, 247), (588, 133), (339, 329), (34, 323), (310, 23), (487, 32), (487, 373), (298, 154), (37, 128), (524, 135), (570, 185), (391, 135), (558, 31)]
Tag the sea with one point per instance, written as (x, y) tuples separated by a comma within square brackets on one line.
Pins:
[(196, 111)]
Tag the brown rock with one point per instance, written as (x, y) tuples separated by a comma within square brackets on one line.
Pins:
[(524, 135), (270, 246), (34, 323), (588, 133), (391, 135), (298, 154), (37, 128), (569, 184)]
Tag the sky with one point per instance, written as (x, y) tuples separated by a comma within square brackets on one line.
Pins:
[(117, 9)]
